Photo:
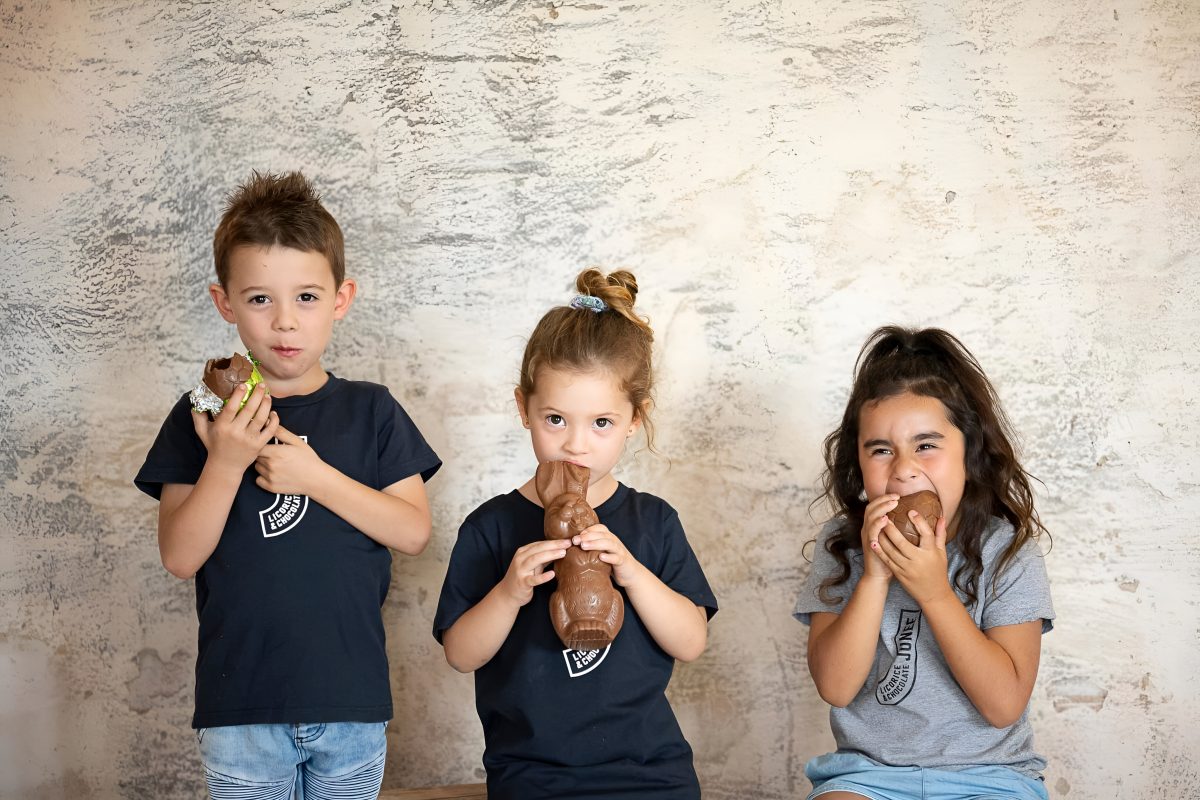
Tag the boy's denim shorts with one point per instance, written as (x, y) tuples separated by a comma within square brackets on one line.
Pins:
[(304, 762), (850, 772)]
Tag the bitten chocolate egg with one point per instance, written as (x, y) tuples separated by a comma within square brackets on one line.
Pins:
[(222, 377), (925, 503)]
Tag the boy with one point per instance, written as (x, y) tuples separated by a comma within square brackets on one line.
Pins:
[(291, 557)]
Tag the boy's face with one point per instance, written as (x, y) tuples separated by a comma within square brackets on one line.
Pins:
[(284, 303)]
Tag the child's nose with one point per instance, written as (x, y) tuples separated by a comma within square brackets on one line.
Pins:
[(285, 319), (905, 468), (576, 440)]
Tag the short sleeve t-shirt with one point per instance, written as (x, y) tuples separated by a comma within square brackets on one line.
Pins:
[(565, 723), (913, 712), (289, 601)]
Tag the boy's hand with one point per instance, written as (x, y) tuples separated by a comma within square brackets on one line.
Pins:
[(236, 436), (290, 466), (528, 568), (626, 568)]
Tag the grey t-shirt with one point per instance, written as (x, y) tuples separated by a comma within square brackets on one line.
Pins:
[(913, 711)]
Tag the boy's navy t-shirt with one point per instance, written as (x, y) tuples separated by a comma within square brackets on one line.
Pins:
[(564, 723), (289, 602)]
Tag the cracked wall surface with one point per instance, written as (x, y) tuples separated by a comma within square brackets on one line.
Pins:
[(782, 177)]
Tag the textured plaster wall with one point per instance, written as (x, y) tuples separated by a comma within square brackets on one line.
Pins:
[(782, 177)]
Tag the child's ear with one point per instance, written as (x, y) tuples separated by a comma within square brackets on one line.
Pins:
[(635, 423), (345, 296), (519, 397), (221, 300)]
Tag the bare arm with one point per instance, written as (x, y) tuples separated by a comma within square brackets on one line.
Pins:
[(478, 634), (996, 668), (397, 517), (192, 517), (679, 626), (841, 647)]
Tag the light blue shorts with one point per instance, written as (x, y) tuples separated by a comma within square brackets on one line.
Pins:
[(850, 772), (304, 762)]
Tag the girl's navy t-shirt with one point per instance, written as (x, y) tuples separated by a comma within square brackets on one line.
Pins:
[(289, 601), (564, 723)]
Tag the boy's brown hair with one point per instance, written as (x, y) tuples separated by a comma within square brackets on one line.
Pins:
[(284, 210)]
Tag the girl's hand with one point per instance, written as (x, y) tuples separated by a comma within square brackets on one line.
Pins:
[(528, 568), (598, 537), (922, 570), (235, 438), (874, 520)]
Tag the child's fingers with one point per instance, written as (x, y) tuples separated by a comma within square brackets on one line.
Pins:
[(925, 533), (592, 531), (543, 557), (262, 414), (542, 577), (532, 557), (939, 534), (541, 546), (230, 409), (881, 505), (893, 538), (885, 550), (253, 402), (201, 423), (270, 430)]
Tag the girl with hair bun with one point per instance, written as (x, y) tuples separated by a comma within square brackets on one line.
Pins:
[(559, 722), (927, 650)]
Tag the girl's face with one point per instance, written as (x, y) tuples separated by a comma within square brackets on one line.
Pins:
[(906, 443), (581, 417)]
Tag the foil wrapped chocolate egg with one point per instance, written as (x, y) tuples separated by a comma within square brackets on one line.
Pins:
[(222, 377)]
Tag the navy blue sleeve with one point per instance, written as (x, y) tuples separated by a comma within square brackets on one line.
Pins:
[(177, 455), (680, 569), (403, 451), (473, 571)]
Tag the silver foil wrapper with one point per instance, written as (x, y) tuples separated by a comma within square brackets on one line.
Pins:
[(203, 399)]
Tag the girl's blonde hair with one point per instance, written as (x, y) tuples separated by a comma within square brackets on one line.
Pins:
[(578, 338)]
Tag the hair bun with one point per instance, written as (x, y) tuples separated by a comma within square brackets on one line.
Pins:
[(617, 289)]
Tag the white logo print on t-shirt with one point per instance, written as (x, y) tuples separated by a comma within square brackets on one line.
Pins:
[(581, 662), (899, 680), (285, 513)]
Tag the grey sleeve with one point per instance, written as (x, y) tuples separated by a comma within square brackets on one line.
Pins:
[(823, 566), (1021, 593)]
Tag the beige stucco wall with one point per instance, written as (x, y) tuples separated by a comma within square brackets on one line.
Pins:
[(782, 177)]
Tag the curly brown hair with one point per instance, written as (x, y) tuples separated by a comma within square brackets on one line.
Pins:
[(932, 363)]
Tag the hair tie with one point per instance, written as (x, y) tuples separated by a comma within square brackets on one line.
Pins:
[(589, 302)]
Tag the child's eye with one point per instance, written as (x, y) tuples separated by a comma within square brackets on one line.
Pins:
[(881, 451), (308, 297), (603, 422), (556, 420), (926, 446), (259, 299)]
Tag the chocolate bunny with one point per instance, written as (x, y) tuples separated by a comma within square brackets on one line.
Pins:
[(586, 609)]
